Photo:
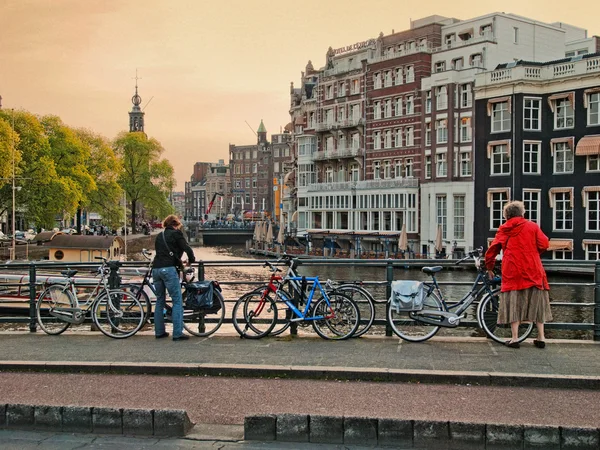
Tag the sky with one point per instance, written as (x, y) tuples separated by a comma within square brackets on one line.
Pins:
[(205, 67)]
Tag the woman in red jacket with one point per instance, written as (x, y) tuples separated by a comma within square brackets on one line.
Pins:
[(524, 295)]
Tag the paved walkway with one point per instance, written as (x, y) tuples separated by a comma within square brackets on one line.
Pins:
[(467, 379)]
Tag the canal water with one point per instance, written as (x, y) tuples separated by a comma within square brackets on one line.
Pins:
[(563, 288)]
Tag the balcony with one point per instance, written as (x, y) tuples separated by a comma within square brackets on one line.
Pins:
[(540, 73), (365, 185), (340, 152), (347, 123)]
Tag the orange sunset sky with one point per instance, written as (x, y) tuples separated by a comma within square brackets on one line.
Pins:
[(208, 65)]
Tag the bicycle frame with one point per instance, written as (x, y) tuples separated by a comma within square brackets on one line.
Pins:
[(302, 315)]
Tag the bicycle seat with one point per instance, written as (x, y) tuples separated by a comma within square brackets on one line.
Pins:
[(430, 270), (68, 273)]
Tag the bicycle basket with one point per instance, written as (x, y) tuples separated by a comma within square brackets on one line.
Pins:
[(407, 295), (199, 295)]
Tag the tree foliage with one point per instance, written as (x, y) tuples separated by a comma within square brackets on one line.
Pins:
[(146, 179)]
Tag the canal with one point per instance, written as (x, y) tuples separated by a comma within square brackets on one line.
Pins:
[(563, 287)]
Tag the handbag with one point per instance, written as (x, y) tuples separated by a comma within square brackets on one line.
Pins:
[(407, 295), (178, 262)]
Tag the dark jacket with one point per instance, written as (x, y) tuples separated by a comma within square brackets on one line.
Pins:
[(522, 242), (177, 244)]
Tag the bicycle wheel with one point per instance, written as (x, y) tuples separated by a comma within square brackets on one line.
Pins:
[(254, 315), (204, 322), (143, 297), (118, 315), (487, 315), (406, 324), (51, 301), (284, 313), (365, 302), (340, 321)]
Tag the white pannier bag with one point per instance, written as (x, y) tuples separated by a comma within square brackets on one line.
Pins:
[(407, 295)]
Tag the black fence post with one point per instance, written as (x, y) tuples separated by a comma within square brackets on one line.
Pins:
[(389, 277), (32, 298), (201, 272), (597, 301), (114, 280)]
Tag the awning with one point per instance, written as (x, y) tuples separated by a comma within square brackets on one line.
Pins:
[(588, 145), (493, 191), (584, 192), (561, 244), (586, 242), (570, 141), (565, 95), (558, 190), (491, 102), (289, 178), (587, 93), (493, 144)]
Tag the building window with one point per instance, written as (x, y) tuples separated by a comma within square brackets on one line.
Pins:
[(593, 114), (449, 39), (387, 169), (410, 105), (500, 117), (354, 172), (428, 102), (592, 250), (457, 64), (466, 97), (341, 115), (562, 254), (442, 131), (410, 73), (247, 167), (562, 211), (515, 35), (398, 76), (500, 164), (254, 182), (465, 164), (531, 158), (459, 217), (440, 66), (593, 163), (563, 157), (465, 129), (441, 165), (592, 210), (442, 213), (388, 108), (377, 140), (238, 184), (564, 116), (428, 166), (428, 134), (398, 106), (441, 98), (376, 170), (328, 92), (254, 168), (531, 199), (388, 139), (496, 201), (408, 167), (377, 110), (354, 87), (398, 138), (532, 114), (410, 136), (342, 89), (387, 77), (247, 183), (476, 60), (377, 80)]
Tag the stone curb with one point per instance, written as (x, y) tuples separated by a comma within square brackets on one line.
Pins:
[(79, 419), (416, 433), (313, 372)]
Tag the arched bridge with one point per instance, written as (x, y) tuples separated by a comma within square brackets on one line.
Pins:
[(222, 235)]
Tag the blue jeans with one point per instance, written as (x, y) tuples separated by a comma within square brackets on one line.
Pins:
[(167, 279)]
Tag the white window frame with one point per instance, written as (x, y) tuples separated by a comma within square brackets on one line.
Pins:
[(466, 131), (428, 102), (441, 164), (441, 98), (593, 99), (410, 136), (376, 170), (377, 140), (501, 117), (428, 171), (532, 157), (459, 201), (398, 141), (466, 166), (398, 76), (428, 134), (562, 153), (565, 201), (466, 95), (500, 159), (441, 132), (410, 73), (388, 108), (410, 104), (377, 80), (592, 208), (387, 143), (592, 250), (408, 167), (441, 208), (529, 106), (592, 163), (498, 200), (563, 111), (532, 200), (377, 110)]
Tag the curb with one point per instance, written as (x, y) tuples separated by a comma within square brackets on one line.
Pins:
[(82, 419), (416, 433), (313, 372)]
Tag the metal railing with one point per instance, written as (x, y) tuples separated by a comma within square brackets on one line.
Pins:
[(21, 283)]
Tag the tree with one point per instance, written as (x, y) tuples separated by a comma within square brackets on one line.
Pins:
[(145, 178)]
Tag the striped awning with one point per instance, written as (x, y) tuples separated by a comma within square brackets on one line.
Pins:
[(557, 190), (492, 191), (570, 141), (564, 95), (561, 244), (491, 102), (588, 145), (492, 144), (587, 93)]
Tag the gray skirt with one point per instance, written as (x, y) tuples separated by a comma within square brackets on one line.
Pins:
[(527, 305)]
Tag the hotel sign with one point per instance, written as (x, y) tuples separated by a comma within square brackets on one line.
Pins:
[(357, 46)]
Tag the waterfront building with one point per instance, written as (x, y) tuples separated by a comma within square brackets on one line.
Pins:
[(218, 182), (177, 201), (538, 140), (195, 192)]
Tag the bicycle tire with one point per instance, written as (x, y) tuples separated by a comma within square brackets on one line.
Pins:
[(254, 315), (344, 322), (55, 296), (365, 302), (118, 315), (487, 316), (284, 314), (203, 323), (143, 297), (406, 324)]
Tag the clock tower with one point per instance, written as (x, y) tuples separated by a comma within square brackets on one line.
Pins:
[(136, 115)]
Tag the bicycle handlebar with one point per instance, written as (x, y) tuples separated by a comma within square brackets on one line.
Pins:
[(271, 267)]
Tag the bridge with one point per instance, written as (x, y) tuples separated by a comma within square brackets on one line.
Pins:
[(219, 235)]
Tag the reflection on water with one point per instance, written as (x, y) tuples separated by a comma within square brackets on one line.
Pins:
[(572, 291)]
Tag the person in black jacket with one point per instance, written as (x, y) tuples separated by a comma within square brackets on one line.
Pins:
[(169, 245)]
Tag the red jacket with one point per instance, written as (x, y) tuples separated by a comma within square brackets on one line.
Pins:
[(522, 243)]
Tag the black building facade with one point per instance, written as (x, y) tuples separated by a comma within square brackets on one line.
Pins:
[(537, 134)]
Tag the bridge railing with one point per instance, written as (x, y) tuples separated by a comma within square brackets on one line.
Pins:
[(21, 283)]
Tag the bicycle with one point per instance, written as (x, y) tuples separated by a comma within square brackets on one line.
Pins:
[(333, 315), (195, 321), (115, 312), (418, 326)]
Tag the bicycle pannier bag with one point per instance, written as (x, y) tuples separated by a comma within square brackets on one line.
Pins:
[(199, 295), (407, 295)]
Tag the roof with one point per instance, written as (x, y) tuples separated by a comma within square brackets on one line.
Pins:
[(261, 127), (46, 236), (84, 242), (547, 63)]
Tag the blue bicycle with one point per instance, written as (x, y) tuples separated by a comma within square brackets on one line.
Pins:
[(333, 315)]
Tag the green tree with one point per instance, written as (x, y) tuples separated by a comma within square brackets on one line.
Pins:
[(146, 179)]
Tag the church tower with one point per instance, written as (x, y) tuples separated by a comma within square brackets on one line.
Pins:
[(136, 115), (262, 133)]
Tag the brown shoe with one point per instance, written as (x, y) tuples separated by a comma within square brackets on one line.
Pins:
[(539, 344), (512, 344)]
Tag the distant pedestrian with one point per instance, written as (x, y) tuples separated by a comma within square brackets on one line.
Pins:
[(170, 246), (524, 295)]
